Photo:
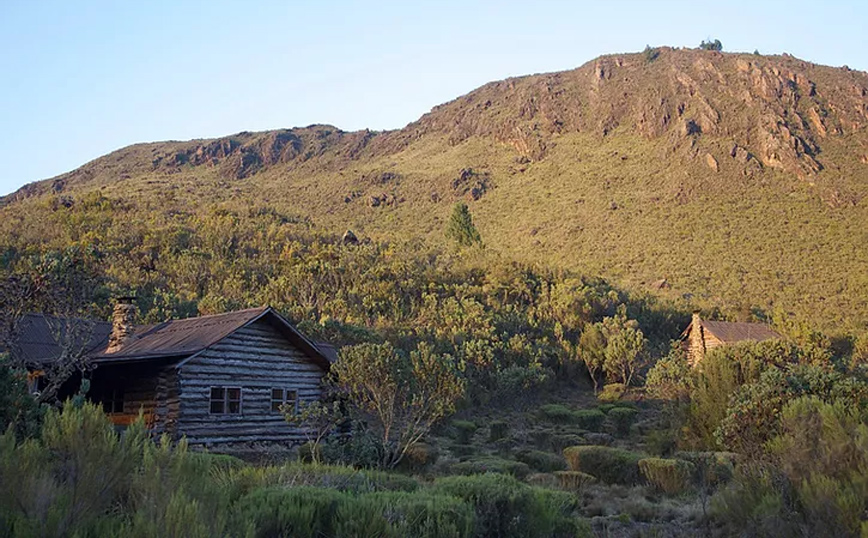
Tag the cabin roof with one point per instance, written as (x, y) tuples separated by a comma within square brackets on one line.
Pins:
[(730, 332), (40, 338), (181, 338)]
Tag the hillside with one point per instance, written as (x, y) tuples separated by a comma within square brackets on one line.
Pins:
[(739, 179)]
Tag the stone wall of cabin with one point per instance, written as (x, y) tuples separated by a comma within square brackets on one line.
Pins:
[(256, 358)]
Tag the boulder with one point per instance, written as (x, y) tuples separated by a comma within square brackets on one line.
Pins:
[(350, 238), (711, 162)]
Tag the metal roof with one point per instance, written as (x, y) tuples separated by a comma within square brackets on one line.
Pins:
[(40, 338), (180, 338), (727, 331)]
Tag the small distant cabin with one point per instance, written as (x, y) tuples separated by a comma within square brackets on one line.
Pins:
[(218, 380), (702, 335)]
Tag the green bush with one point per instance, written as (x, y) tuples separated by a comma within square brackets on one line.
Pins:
[(560, 442), (622, 418), (711, 468), (557, 413), (590, 419), (491, 464), (506, 507), (612, 392), (541, 461), (610, 465), (18, 408), (314, 512), (463, 450), (426, 515), (418, 457), (670, 476), (575, 481), (499, 429), (302, 512), (463, 431)]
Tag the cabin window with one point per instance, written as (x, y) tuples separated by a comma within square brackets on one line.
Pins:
[(114, 401), (280, 397), (225, 400)]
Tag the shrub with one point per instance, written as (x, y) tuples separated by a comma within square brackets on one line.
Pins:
[(612, 392), (610, 465), (426, 515), (418, 457), (506, 507), (711, 45), (463, 430), (671, 378), (575, 481), (491, 464), (313, 512), (711, 468), (309, 453), (622, 418), (560, 442), (499, 429), (590, 419), (217, 462), (557, 413), (336, 477), (18, 408), (668, 475), (463, 450), (541, 461)]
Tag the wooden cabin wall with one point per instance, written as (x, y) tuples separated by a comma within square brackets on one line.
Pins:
[(168, 402), (256, 358)]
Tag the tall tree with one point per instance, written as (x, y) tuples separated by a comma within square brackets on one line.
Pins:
[(461, 228)]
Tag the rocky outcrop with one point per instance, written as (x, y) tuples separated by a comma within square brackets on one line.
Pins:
[(778, 109)]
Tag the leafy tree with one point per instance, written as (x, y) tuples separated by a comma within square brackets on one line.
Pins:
[(63, 285), (625, 347), (711, 45), (404, 394), (592, 350), (671, 378), (461, 228), (317, 420)]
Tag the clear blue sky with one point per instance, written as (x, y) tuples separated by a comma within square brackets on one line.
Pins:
[(81, 78)]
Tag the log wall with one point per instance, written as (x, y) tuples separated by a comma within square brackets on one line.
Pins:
[(256, 358)]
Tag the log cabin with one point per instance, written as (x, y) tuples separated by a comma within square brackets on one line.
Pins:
[(217, 380), (702, 335)]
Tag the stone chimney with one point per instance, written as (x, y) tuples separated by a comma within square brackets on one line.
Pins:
[(123, 324), (696, 341)]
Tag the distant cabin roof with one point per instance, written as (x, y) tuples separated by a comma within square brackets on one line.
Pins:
[(730, 332), (179, 338)]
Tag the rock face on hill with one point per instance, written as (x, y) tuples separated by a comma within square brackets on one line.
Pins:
[(779, 109), (776, 112)]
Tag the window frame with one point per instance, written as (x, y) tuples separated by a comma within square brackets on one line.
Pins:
[(225, 401), (283, 399), (115, 398)]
